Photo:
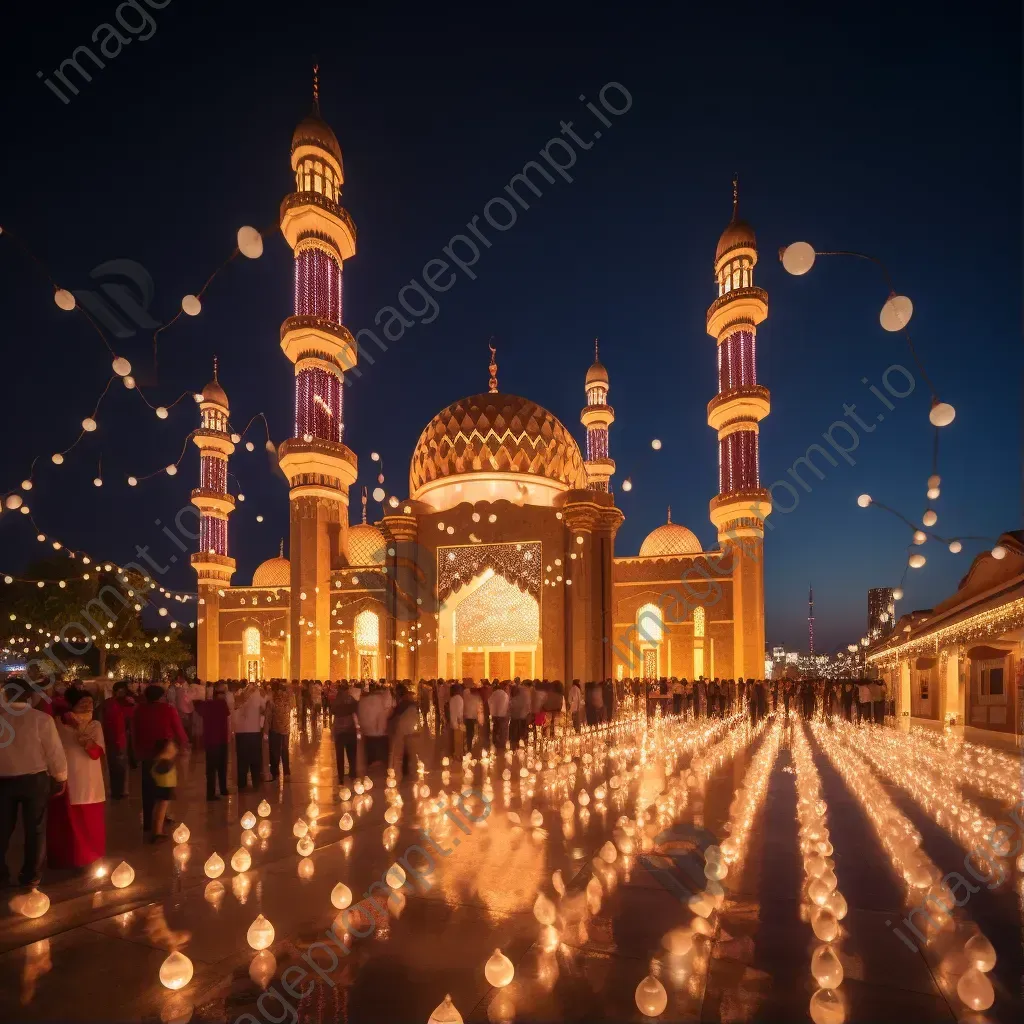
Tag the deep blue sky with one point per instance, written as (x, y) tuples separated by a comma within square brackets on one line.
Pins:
[(871, 129)]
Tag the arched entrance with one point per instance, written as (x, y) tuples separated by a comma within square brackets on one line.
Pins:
[(489, 628)]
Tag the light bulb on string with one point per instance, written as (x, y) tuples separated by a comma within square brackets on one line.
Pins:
[(933, 493), (378, 494), (864, 500), (798, 258), (64, 299), (930, 518), (250, 242), (88, 424), (57, 459), (249, 446), (896, 313), (129, 382), (999, 552), (920, 537), (897, 594), (161, 412), (190, 305), (627, 484), (941, 414), (121, 366), (955, 547)]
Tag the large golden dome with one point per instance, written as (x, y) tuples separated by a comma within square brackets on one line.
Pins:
[(494, 433), (366, 545)]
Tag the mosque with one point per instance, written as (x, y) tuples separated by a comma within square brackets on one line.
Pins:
[(501, 561)]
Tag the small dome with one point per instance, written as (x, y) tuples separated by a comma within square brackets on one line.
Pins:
[(274, 572), (738, 232), (213, 392), (315, 131), (668, 540), (597, 374), (366, 545)]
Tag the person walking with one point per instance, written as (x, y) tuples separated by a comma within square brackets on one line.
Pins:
[(471, 713), (76, 826), (279, 723), (403, 724), (115, 739), (216, 718), (155, 721), (878, 701), (373, 724), (32, 765), (456, 712), (346, 737), (247, 720), (864, 700), (575, 704), (498, 706)]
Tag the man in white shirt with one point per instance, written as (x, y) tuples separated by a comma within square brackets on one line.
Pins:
[(31, 756), (864, 700), (247, 719), (372, 714), (455, 716), (497, 704)]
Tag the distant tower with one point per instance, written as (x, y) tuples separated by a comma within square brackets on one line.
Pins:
[(810, 619), (597, 416), (213, 567), (319, 467), (741, 506), (881, 612)]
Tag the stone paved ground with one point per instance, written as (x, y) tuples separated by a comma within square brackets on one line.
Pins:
[(96, 954)]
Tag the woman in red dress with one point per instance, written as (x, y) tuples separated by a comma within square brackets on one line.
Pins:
[(76, 830)]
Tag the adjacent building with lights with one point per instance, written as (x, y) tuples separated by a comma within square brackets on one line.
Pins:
[(963, 660), (500, 561), (881, 612)]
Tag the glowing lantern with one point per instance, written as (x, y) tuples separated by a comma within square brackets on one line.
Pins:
[(121, 366), (920, 537), (999, 552), (260, 934), (941, 414), (896, 313), (536, 818), (916, 561), (299, 829), (826, 968), (306, 868), (445, 1013), (955, 547), (930, 518), (176, 971), (608, 853), (836, 902), (824, 923), (304, 847), (263, 830), (975, 989), (345, 793), (214, 867), (122, 876), (980, 952), (248, 820), (557, 883), (395, 876), (64, 299), (678, 942), (263, 810), (341, 896), (33, 904), (827, 1007), (250, 242), (651, 997), (391, 815), (544, 910), (499, 970), (312, 811), (181, 833), (191, 305), (864, 500), (345, 824), (240, 860), (798, 258)]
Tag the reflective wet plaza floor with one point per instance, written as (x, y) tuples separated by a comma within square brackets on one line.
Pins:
[(787, 873)]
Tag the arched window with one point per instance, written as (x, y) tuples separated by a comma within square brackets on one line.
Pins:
[(251, 642), (699, 619), (649, 624), (366, 629)]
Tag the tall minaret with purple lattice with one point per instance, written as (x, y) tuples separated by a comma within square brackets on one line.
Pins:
[(319, 467), (598, 416)]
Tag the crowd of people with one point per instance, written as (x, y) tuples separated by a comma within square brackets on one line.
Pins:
[(52, 769)]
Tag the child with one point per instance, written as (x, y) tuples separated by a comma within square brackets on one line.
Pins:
[(165, 775)]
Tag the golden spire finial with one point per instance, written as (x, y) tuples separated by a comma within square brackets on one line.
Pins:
[(596, 360), (316, 88), (492, 384), (280, 548), (364, 506), (735, 193), (215, 369), (669, 519)]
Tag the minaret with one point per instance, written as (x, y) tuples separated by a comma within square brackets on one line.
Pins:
[(810, 619), (319, 467), (741, 506), (213, 567), (597, 416)]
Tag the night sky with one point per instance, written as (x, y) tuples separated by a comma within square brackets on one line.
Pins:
[(874, 130)]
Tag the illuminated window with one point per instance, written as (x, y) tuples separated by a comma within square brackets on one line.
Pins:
[(699, 619), (497, 613), (649, 624), (367, 631), (251, 641)]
